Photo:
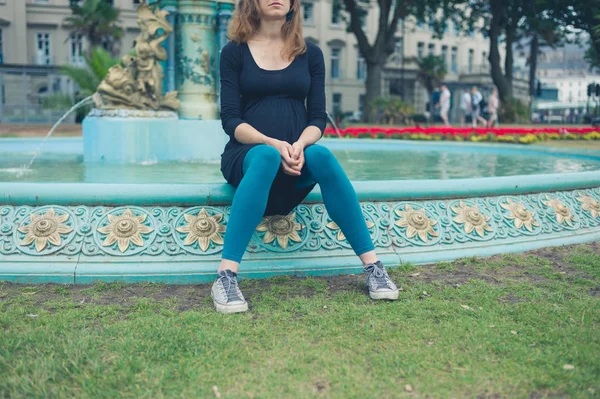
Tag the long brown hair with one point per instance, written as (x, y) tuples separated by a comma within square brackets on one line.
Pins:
[(246, 21)]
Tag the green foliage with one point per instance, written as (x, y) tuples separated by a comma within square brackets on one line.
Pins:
[(432, 71), (97, 21), (88, 78), (392, 110), (418, 118), (514, 111)]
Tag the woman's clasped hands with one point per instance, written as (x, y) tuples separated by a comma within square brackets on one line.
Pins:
[(292, 156)]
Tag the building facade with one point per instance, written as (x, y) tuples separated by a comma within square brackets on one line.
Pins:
[(564, 73), (33, 33), (466, 57)]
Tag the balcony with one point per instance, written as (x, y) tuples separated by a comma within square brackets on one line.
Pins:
[(77, 61), (477, 69), (40, 59)]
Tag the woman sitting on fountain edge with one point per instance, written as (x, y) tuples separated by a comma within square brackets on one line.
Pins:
[(268, 72)]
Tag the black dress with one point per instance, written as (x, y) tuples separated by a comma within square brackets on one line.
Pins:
[(279, 104)]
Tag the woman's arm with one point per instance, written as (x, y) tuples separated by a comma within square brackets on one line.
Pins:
[(315, 102)]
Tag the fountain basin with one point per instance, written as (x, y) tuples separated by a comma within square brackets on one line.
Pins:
[(123, 138), (418, 221)]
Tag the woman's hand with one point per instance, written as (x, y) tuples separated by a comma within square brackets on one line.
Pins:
[(298, 155), (289, 164)]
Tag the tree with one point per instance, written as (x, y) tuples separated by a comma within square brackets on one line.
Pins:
[(97, 21), (431, 73), (543, 26), (377, 53), (88, 78), (592, 55)]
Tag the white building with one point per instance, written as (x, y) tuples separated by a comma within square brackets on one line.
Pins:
[(33, 34)]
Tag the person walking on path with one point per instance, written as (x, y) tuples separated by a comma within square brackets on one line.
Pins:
[(273, 109), (465, 108), (445, 97), (493, 105), (476, 99)]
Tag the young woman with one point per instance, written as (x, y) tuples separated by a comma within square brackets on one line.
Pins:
[(273, 109)]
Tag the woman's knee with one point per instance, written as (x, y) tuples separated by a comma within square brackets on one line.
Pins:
[(319, 156), (263, 157)]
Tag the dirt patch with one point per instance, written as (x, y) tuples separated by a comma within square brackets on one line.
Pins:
[(532, 267), (594, 291)]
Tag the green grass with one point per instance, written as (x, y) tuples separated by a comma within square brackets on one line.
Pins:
[(499, 327)]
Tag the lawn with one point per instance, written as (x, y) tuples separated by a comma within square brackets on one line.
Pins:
[(513, 326)]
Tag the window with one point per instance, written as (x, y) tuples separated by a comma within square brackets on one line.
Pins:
[(111, 2), (471, 55), (445, 56), (431, 49), (398, 46), (363, 20), (43, 48), (336, 10), (337, 103), (307, 12), (483, 58), (1, 49), (420, 49), (76, 49), (398, 50), (335, 63), (361, 102), (454, 60), (396, 88), (419, 24), (136, 2), (361, 68)]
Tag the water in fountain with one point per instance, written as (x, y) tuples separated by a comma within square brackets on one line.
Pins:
[(335, 127), (85, 101), (337, 131)]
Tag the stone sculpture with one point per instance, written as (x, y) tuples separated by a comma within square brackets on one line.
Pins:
[(137, 84)]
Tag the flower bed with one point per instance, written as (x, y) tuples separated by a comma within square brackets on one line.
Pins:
[(506, 135)]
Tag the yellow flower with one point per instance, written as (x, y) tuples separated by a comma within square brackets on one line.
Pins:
[(416, 222), (284, 228), (202, 228), (562, 212), (340, 235), (44, 228), (125, 229), (590, 205), (472, 219), (520, 215)]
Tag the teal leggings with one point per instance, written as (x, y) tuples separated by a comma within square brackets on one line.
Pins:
[(261, 165)]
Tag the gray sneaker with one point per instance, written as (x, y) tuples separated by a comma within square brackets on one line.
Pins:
[(379, 283), (226, 294)]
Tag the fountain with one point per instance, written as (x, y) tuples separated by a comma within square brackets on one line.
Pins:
[(141, 198)]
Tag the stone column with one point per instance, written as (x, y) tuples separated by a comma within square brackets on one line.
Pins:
[(195, 57), (225, 10), (169, 44)]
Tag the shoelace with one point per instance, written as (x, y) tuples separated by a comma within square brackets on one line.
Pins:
[(374, 270), (381, 279), (231, 283)]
